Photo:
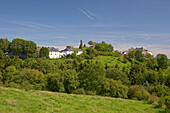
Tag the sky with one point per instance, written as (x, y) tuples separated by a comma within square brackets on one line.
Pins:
[(122, 23)]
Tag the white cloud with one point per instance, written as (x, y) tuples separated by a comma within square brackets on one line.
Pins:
[(30, 24), (85, 13)]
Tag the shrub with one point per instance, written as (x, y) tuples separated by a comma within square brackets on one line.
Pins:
[(153, 99), (45, 65), (160, 90), (91, 92), (79, 91), (115, 88), (71, 82), (29, 79), (55, 82), (167, 101), (116, 74), (138, 92), (161, 101)]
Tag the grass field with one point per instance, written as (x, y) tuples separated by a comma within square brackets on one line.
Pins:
[(14, 100)]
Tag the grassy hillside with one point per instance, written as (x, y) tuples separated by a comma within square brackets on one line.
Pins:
[(109, 60), (14, 100)]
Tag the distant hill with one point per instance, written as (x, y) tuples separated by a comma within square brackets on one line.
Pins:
[(14, 100)]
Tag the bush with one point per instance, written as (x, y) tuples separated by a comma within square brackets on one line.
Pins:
[(115, 88), (167, 101), (153, 99), (161, 102), (116, 74), (138, 92), (55, 82), (71, 82), (45, 65), (29, 79), (160, 90), (79, 91)]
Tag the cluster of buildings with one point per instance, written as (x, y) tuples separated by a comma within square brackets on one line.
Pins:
[(55, 53), (143, 50)]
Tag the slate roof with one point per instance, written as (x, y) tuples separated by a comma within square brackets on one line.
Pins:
[(53, 49), (72, 49)]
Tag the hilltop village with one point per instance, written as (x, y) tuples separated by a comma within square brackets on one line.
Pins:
[(55, 53)]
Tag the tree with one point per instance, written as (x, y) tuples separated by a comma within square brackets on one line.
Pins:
[(17, 46), (131, 53), (30, 48), (162, 61), (30, 79), (116, 74), (44, 52), (92, 77), (80, 46), (104, 47), (151, 62), (90, 42), (45, 65), (114, 88), (8, 73), (2, 60), (71, 81), (23, 48), (4, 44), (139, 56), (55, 82)]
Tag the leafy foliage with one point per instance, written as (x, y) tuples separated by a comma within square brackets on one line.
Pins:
[(23, 48), (44, 52), (104, 47), (4, 44)]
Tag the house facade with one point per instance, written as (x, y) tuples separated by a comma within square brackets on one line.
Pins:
[(55, 53)]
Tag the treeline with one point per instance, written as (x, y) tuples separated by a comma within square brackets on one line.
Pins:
[(146, 78), (18, 47)]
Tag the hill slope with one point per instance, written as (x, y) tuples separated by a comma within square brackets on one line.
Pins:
[(14, 100)]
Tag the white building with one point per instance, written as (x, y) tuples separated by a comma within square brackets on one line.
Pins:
[(54, 53), (71, 50)]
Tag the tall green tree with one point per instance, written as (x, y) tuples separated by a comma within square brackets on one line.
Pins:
[(23, 48), (2, 60), (131, 53), (30, 48), (162, 61), (44, 52), (71, 80), (139, 56), (116, 74), (90, 42), (92, 77), (17, 46), (104, 47), (4, 44)]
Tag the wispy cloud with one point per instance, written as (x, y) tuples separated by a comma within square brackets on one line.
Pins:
[(85, 13), (90, 14), (30, 24), (94, 15)]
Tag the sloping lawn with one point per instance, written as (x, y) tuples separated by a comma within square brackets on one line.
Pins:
[(14, 100)]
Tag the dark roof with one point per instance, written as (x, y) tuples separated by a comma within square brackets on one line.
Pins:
[(53, 49), (72, 49)]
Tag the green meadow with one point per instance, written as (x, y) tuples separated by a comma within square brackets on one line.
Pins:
[(14, 100)]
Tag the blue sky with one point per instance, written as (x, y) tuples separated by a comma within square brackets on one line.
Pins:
[(123, 23)]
